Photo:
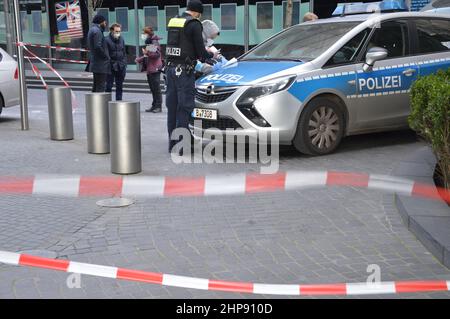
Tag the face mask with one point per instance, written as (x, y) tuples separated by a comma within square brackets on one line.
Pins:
[(144, 37), (116, 35)]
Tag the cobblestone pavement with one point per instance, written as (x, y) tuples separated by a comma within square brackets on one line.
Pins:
[(310, 236)]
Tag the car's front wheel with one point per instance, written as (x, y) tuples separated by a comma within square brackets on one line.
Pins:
[(320, 128)]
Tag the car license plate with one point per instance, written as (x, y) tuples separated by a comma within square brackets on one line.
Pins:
[(206, 114)]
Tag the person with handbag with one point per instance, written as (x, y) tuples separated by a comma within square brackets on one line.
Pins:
[(151, 62)]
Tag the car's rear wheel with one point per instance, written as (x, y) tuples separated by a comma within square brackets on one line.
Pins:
[(320, 128)]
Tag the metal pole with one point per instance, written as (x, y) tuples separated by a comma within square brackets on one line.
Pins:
[(138, 31), (20, 63), (50, 51), (246, 26), (311, 6)]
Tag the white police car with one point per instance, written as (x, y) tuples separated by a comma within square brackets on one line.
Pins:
[(319, 81)]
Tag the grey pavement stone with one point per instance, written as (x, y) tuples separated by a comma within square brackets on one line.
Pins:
[(305, 236)]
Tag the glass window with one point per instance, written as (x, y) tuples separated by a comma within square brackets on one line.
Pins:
[(24, 20), (295, 13), (264, 13), (228, 17), (301, 42), (104, 13), (122, 18), (349, 52), (171, 12), (207, 12), (151, 17), (393, 36), (434, 35), (37, 21)]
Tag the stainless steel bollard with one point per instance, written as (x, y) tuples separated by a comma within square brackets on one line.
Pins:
[(60, 113), (125, 137), (97, 122)]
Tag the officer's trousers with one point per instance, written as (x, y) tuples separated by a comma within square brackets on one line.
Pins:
[(180, 99)]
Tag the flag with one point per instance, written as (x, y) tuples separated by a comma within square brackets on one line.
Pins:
[(68, 20)]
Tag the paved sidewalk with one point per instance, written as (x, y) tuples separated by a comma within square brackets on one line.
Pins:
[(310, 236)]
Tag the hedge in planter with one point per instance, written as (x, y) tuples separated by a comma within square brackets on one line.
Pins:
[(430, 116)]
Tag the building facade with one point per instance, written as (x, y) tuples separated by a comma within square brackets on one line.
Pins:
[(243, 23)]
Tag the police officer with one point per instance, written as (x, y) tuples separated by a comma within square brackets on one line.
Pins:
[(184, 47)]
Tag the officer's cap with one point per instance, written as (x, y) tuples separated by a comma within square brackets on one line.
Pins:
[(195, 5)]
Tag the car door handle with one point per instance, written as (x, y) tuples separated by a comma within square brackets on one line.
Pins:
[(409, 72), (352, 82)]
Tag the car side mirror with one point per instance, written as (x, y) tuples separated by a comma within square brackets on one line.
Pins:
[(373, 55)]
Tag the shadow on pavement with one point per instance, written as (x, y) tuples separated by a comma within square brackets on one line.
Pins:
[(5, 119), (361, 142)]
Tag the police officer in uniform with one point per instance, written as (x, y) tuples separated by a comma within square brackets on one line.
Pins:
[(184, 47)]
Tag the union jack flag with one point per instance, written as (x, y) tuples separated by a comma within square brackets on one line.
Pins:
[(68, 20)]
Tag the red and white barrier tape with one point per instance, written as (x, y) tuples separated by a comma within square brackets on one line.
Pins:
[(60, 60), (74, 99), (349, 289), (59, 48), (37, 73), (239, 184), (47, 65)]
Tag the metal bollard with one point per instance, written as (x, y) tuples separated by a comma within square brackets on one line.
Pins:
[(97, 122), (125, 137), (60, 113)]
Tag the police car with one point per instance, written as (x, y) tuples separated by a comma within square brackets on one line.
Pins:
[(320, 81)]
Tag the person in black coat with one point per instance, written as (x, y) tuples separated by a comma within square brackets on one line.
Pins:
[(99, 61), (118, 55)]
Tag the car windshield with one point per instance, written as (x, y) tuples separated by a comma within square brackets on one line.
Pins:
[(303, 42)]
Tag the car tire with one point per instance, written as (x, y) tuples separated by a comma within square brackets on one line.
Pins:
[(320, 128)]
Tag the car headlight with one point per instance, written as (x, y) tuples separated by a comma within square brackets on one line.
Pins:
[(264, 89)]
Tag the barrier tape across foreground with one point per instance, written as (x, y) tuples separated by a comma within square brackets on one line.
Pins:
[(237, 184), (219, 285)]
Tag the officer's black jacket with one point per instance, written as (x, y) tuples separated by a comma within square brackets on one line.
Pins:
[(195, 32)]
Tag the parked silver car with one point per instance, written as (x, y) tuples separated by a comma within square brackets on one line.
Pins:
[(9, 84), (319, 81)]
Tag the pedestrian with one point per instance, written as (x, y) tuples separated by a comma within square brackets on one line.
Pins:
[(118, 55), (99, 61), (309, 16), (184, 47), (210, 33), (151, 62)]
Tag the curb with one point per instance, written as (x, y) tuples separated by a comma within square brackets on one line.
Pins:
[(211, 185), (429, 221), (348, 289)]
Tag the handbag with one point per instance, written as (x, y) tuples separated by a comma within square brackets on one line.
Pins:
[(143, 64)]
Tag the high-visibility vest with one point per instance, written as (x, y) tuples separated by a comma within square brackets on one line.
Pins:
[(180, 48)]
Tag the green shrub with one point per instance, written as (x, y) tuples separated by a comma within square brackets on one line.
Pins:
[(430, 116)]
